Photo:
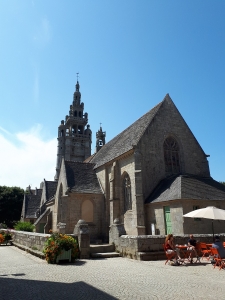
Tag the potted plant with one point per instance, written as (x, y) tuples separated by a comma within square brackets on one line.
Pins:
[(2, 239), (5, 237), (61, 247)]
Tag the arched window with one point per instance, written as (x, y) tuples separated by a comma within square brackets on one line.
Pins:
[(80, 114), (74, 130), (75, 113), (80, 129), (87, 211), (127, 193), (171, 156)]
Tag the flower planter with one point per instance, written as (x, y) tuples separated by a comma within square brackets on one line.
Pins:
[(65, 255)]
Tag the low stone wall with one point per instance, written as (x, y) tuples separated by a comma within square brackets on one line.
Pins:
[(30, 240), (35, 241), (150, 247)]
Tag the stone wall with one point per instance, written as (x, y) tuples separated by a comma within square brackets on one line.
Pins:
[(31, 240), (169, 122), (135, 246), (180, 224)]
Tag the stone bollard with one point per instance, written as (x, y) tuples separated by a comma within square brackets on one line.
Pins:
[(116, 230), (82, 231)]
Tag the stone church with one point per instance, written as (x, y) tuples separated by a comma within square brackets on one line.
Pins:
[(144, 179)]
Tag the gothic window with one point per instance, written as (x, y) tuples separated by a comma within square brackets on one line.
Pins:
[(80, 115), (75, 113), (67, 131), (73, 130), (171, 156), (127, 193)]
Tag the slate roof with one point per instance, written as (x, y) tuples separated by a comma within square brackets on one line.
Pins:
[(51, 187), (125, 141), (187, 187), (88, 159), (81, 177), (32, 203)]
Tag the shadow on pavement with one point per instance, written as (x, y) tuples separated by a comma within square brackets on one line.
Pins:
[(20, 289)]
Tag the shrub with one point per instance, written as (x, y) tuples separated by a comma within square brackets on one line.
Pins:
[(24, 226), (58, 242)]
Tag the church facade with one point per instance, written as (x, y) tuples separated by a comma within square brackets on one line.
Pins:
[(145, 178)]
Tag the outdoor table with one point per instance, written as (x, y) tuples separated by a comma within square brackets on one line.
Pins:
[(183, 250)]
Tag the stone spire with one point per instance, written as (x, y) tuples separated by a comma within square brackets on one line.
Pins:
[(74, 134)]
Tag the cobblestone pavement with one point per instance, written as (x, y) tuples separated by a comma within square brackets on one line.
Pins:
[(23, 276)]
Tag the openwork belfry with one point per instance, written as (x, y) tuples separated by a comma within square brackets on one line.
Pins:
[(127, 193)]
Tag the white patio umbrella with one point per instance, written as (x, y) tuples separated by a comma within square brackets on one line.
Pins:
[(209, 212)]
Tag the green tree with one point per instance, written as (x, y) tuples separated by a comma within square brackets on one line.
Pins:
[(11, 201), (223, 182)]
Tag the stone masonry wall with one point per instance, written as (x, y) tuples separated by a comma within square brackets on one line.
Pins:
[(169, 122), (74, 205), (112, 185), (30, 239), (133, 246), (180, 224)]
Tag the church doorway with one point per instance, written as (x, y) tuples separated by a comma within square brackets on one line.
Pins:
[(168, 223)]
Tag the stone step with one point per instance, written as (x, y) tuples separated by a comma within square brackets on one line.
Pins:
[(104, 248), (105, 255)]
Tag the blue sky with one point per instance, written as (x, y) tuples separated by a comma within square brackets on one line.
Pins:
[(128, 53)]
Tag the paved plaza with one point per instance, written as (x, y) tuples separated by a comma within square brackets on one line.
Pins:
[(24, 276)]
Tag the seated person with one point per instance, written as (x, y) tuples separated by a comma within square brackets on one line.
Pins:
[(219, 246), (192, 246), (170, 247)]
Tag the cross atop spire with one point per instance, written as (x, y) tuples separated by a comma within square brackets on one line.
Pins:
[(77, 85)]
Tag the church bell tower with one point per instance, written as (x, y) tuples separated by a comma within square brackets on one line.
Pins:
[(100, 139), (74, 135)]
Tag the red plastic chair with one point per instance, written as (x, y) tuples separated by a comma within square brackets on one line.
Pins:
[(204, 251), (219, 262), (169, 256)]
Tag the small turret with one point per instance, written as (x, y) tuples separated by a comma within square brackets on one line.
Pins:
[(100, 139)]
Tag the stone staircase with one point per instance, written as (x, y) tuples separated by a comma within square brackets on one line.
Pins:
[(103, 251)]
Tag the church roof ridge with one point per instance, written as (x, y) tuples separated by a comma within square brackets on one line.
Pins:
[(127, 139), (76, 161)]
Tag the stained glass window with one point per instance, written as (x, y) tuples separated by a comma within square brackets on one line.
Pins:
[(171, 156)]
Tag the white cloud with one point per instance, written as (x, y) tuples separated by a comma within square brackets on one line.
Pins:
[(4, 130), (28, 159)]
